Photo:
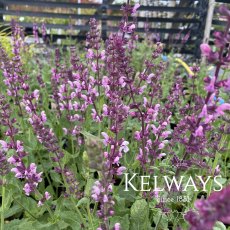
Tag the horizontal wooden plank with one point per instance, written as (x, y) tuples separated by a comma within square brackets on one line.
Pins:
[(52, 26), (168, 42), (49, 4), (47, 15), (223, 1), (96, 6), (156, 19), (219, 23), (175, 9), (87, 17), (155, 30), (107, 28), (183, 50)]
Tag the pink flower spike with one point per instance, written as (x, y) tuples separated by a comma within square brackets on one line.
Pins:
[(117, 226), (105, 81), (136, 6), (90, 54), (224, 10), (96, 190), (47, 196), (120, 170), (199, 132), (94, 67), (204, 112), (102, 55), (124, 147), (226, 220), (227, 85), (116, 160), (27, 189), (65, 131), (36, 94), (20, 148), (137, 135), (132, 27), (4, 145), (106, 138), (40, 203), (221, 108), (205, 49), (208, 119), (43, 116), (122, 82), (217, 170), (11, 160), (211, 87), (32, 168), (18, 174), (105, 199), (165, 134), (156, 192), (161, 146)]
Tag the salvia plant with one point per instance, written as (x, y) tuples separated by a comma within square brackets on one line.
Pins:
[(92, 139)]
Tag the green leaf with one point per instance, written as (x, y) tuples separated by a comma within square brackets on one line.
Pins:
[(67, 157), (82, 201), (62, 204), (161, 219), (55, 177), (16, 224), (139, 215), (88, 187), (219, 226), (40, 225), (8, 199), (120, 206), (71, 218), (128, 195), (30, 205), (13, 210)]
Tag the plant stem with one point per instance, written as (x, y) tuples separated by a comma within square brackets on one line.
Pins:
[(73, 151), (89, 215), (79, 213), (49, 210), (3, 205), (25, 209), (95, 208), (47, 206), (158, 222), (72, 146), (45, 171)]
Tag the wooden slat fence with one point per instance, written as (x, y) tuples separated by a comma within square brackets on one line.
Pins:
[(216, 20), (184, 19)]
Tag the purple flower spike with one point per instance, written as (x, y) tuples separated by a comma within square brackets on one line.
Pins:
[(215, 208)]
